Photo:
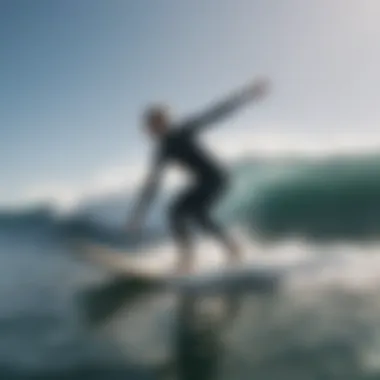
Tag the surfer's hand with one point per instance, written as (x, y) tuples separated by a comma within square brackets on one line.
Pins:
[(133, 226), (258, 89)]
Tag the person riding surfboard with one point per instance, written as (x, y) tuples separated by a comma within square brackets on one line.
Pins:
[(177, 144)]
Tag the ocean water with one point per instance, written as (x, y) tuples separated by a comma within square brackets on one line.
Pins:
[(62, 318)]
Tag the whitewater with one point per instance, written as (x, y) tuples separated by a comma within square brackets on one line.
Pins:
[(320, 323)]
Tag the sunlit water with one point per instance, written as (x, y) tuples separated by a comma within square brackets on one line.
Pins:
[(322, 322)]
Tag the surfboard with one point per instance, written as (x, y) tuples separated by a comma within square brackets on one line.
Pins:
[(134, 279), (242, 278)]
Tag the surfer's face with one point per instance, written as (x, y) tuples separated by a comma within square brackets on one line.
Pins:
[(157, 122)]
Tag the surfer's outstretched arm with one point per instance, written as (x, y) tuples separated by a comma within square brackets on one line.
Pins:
[(220, 110)]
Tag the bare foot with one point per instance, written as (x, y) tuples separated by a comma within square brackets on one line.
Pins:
[(235, 256), (234, 261), (184, 269)]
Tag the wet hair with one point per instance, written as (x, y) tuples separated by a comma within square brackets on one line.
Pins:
[(154, 111)]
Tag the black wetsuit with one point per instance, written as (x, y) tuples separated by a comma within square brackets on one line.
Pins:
[(180, 146)]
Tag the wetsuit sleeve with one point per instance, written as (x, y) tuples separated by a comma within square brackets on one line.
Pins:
[(224, 108), (150, 187)]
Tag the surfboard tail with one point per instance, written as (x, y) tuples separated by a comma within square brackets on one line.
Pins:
[(102, 303)]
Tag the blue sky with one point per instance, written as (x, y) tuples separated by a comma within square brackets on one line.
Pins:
[(76, 74)]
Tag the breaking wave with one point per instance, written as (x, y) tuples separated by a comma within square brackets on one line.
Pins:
[(330, 198)]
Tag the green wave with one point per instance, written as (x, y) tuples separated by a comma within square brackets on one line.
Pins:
[(333, 198)]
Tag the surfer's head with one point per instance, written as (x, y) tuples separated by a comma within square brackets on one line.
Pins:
[(156, 120)]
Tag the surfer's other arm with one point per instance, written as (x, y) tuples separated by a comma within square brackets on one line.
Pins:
[(254, 91), (146, 197)]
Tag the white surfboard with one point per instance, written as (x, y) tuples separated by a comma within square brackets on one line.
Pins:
[(245, 278)]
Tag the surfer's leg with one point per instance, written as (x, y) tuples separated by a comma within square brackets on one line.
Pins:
[(205, 198), (179, 223), (210, 226)]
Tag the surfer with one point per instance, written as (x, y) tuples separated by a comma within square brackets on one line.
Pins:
[(177, 144)]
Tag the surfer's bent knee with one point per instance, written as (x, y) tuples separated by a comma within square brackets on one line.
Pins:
[(177, 220), (175, 213)]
